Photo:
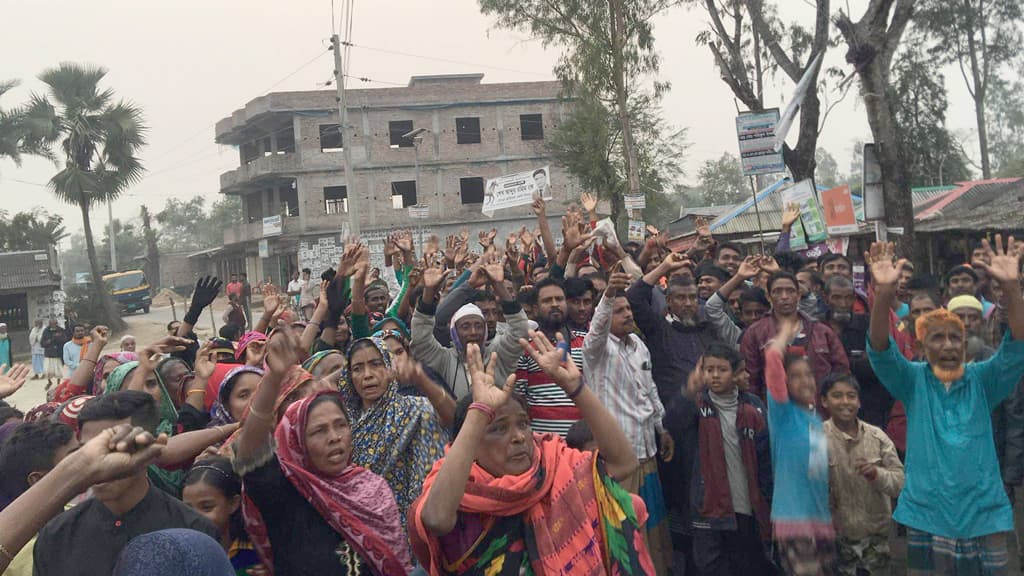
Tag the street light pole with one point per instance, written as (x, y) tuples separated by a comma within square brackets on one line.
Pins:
[(110, 236), (346, 143)]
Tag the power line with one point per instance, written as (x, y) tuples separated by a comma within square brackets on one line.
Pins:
[(449, 61)]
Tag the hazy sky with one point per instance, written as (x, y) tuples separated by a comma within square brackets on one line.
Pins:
[(189, 64)]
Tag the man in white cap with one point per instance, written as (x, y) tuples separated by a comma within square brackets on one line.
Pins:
[(468, 325)]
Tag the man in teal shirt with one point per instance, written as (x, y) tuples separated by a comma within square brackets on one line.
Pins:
[(953, 503)]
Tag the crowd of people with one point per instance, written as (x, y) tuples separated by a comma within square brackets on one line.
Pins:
[(533, 407)]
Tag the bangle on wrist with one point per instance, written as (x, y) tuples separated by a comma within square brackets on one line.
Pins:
[(260, 415), (572, 395), (487, 410), (88, 360), (196, 391)]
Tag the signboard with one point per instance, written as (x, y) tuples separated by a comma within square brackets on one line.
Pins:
[(838, 245), (420, 212), (635, 202), (273, 225), (319, 254), (840, 218), (264, 248), (871, 179), (756, 134), (517, 189), (802, 193), (636, 230)]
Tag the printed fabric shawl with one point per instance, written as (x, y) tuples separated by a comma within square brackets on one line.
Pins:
[(169, 481), (399, 438), (578, 520), (355, 503)]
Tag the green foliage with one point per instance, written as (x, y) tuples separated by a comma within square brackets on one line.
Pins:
[(931, 155), (36, 230), (1006, 127), (188, 225), (589, 144), (721, 181), (982, 37), (826, 172), (19, 134)]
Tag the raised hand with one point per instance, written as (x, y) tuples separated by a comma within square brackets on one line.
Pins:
[(206, 291), (572, 236), (1004, 266), (100, 336), (272, 300), (589, 202), (118, 452), (464, 236), (205, 362), (539, 207), (282, 350), (750, 267), (434, 276), (487, 238), (553, 360), (481, 378), (768, 264), (349, 258), (526, 238), (390, 247), (674, 261), (477, 275), (494, 267), (704, 238), (460, 254), (790, 215), (403, 241), (884, 272), (787, 330), (407, 370), (617, 284), (430, 247), (12, 380)]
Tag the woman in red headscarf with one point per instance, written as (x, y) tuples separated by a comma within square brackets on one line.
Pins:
[(307, 508)]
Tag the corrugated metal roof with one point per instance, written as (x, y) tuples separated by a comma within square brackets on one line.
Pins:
[(969, 195), (29, 269), (1009, 216), (926, 193)]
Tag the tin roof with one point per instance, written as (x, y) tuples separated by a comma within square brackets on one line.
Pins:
[(28, 269)]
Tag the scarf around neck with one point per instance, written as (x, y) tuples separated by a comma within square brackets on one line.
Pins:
[(356, 503)]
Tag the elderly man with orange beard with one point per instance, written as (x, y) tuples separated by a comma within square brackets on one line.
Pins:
[(953, 503)]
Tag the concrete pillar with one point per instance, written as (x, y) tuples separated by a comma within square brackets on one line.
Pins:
[(500, 129)]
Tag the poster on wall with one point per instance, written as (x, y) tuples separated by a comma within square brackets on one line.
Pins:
[(802, 193), (273, 225), (636, 230), (517, 189), (264, 247)]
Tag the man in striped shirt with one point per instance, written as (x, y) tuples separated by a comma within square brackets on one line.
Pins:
[(550, 409), (617, 367)]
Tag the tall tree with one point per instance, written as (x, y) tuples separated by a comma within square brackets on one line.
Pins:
[(20, 134), (871, 43), (981, 37), (1005, 115), (827, 170), (587, 143), (607, 53), (749, 42), (100, 139), (152, 253), (721, 181), (931, 155), (183, 224)]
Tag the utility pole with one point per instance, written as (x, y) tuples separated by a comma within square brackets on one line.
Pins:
[(110, 236), (339, 83)]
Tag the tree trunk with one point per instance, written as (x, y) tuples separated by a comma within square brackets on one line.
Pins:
[(899, 210), (979, 114), (622, 99), (111, 314), (801, 159)]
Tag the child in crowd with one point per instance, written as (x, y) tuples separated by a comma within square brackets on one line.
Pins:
[(214, 490), (865, 475), (800, 502), (729, 471)]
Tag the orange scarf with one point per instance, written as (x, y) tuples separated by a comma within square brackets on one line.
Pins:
[(561, 502), (84, 343)]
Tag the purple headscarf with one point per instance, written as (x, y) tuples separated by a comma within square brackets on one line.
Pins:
[(219, 412), (245, 340), (97, 373)]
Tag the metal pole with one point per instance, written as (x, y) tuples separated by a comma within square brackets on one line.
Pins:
[(757, 211), (339, 83), (110, 236)]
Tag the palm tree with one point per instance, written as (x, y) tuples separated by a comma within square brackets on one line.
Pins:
[(99, 139), (21, 135)]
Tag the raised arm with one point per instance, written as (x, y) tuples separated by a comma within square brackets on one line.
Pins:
[(774, 352), (82, 376), (316, 322), (1005, 269), (184, 447), (204, 294), (540, 210), (261, 421), (884, 275), (596, 342), (611, 441), (114, 453), (411, 371), (150, 357), (439, 510)]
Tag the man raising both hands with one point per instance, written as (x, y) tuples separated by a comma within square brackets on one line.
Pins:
[(953, 503)]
